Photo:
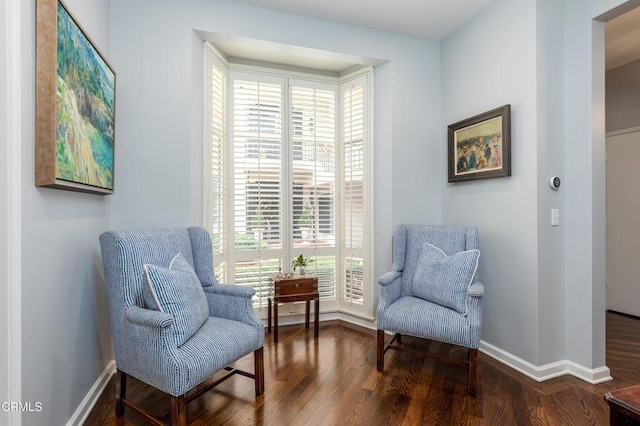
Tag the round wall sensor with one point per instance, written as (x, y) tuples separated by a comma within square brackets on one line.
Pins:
[(554, 182)]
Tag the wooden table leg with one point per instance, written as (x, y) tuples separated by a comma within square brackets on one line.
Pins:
[(306, 314), (316, 323), (275, 321), (268, 315)]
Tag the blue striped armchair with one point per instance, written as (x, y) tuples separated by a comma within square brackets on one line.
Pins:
[(173, 325), (432, 292)]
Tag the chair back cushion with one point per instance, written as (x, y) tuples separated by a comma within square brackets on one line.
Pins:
[(176, 290), (127, 251), (409, 240), (202, 250), (444, 279), (124, 253)]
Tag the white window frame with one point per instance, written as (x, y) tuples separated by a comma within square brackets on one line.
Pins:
[(213, 59), (365, 77)]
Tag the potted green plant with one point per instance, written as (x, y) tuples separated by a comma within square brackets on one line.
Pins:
[(302, 263)]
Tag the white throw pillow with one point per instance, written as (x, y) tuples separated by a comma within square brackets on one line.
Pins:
[(176, 290), (444, 279)]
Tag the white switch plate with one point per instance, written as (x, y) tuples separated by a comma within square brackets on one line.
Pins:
[(555, 217)]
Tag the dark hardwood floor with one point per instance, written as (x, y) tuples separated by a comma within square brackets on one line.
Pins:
[(333, 381)]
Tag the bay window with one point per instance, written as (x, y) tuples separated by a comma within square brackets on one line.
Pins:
[(287, 173)]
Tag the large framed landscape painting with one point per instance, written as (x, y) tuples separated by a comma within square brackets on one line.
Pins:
[(75, 105), (480, 146)]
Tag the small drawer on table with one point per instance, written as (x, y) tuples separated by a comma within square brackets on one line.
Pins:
[(291, 287)]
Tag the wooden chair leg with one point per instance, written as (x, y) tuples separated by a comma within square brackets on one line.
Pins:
[(268, 315), (258, 365), (472, 381), (121, 389), (178, 411), (380, 351)]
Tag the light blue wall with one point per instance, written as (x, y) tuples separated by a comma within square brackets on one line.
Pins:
[(65, 334), (546, 303), (159, 137), (490, 62), (551, 162)]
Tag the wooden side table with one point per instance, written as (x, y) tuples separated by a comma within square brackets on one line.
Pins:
[(624, 406), (297, 289)]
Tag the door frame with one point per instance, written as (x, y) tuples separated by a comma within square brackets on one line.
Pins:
[(11, 163)]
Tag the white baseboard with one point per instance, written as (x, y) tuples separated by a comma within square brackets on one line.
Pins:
[(89, 401), (363, 322), (590, 375), (298, 318), (548, 371)]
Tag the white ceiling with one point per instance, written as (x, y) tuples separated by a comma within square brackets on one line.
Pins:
[(622, 35), (431, 19)]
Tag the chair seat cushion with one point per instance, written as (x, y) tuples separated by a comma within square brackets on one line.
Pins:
[(421, 318), (218, 343), (444, 279), (176, 290)]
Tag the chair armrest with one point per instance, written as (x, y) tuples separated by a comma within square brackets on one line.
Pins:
[(476, 289), (232, 302), (390, 291), (474, 312), (388, 277), (231, 290), (148, 317), (146, 349)]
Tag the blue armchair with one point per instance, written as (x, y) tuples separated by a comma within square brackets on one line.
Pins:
[(432, 292), (173, 325)]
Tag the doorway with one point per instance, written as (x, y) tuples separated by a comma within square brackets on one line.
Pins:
[(623, 226), (622, 53)]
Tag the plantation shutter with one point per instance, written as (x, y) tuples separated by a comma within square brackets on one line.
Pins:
[(313, 179), (353, 189), (217, 187), (257, 176)]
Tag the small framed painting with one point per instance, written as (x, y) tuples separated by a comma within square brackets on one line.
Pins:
[(480, 146), (75, 105)]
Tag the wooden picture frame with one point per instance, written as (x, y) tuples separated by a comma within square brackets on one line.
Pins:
[(480, 146), (75, 106)]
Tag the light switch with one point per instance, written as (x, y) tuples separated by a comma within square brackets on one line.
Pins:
[(555, 217)]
